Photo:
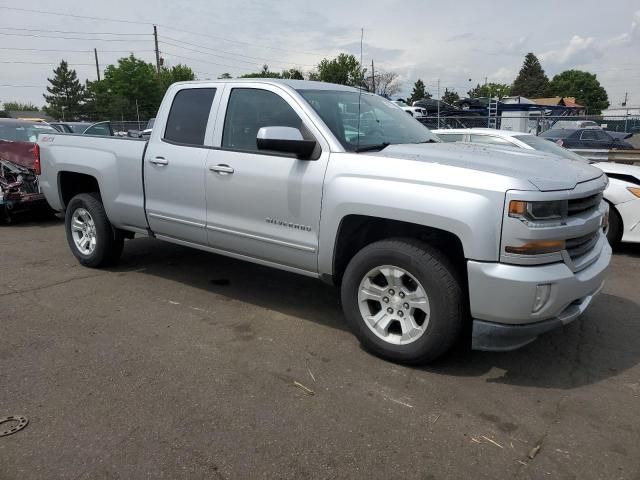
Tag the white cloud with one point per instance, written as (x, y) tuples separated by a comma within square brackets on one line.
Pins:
[(579, 50)]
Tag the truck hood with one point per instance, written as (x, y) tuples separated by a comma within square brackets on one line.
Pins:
[(545, 172)]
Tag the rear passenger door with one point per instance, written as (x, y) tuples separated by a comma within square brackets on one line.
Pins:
[(260, 204), (175, 165)]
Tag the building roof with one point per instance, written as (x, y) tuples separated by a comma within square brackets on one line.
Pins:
[(30, 114), (558, 101)]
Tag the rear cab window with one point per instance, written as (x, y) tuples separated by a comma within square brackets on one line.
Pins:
[(189, 115)]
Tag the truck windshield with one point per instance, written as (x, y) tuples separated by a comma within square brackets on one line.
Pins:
[(379, 122)]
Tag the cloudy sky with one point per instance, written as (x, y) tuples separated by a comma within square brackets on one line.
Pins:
[(460, 43)]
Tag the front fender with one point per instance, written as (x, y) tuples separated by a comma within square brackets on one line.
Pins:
[(474, 216)]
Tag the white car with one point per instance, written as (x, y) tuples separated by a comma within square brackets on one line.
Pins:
[(416, 112), (622, 194)]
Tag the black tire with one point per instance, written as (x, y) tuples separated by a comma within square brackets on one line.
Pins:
[(109, 242), (438, 278), (614, 234)]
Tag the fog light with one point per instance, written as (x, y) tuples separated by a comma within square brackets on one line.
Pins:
[(543, 292)]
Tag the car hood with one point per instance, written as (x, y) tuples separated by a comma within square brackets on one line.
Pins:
[(620, 168), (544, 172), (21, 153)]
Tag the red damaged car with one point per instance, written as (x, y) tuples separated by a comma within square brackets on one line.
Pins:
[(20, 166)]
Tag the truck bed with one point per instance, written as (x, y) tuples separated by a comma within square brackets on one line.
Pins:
[(115, 162)]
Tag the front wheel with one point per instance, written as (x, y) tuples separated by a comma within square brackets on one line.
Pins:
[(403, 300), (92, 239)]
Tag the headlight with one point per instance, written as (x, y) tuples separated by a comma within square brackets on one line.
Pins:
[(532, 212), (634, 190)]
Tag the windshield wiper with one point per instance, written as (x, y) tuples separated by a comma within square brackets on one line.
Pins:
[(368, 148), (431, 140)]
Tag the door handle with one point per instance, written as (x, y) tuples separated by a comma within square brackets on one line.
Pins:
[(159, 161), (222, 169)]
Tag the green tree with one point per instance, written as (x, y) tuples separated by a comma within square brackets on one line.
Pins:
[(490, 90), (450, 96), (293, 74), (66, 93), (177, 73), (531, 82), (264, 73), (343, 70), (584, 86), (132, 80), (98, 104), (225, 76), (419, 92), (28, 106)]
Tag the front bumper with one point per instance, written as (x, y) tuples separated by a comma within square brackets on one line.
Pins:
[(502, 296)]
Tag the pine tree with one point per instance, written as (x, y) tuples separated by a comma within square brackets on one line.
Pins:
[(531, 82), (418, 92), (66, 93)]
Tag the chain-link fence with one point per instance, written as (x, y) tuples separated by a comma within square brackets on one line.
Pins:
[(532, 123)]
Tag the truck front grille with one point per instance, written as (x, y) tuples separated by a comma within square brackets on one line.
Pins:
[(576, 247), (579, 205)]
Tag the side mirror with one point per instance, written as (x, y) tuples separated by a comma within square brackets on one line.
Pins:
[(286, 140)]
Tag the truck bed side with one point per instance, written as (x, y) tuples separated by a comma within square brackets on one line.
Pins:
[(115, 164)]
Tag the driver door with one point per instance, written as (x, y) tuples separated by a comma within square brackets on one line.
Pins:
[(263, 205)]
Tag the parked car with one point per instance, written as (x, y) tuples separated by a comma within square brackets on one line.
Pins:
[(417, 233), (469, 103), (431, 106), (85, 128), (19, 166), (416, 112), (587, 138), (574, 124), (622, 193)]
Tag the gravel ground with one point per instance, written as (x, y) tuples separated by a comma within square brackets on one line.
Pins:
[(182, 364)]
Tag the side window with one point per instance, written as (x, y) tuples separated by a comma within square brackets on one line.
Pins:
[(603, 136), (489, 140), (251, 109), (451, 137), (188, 116), (588, 135)]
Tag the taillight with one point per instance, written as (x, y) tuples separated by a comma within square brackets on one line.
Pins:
[(560, 142), (36, 162)]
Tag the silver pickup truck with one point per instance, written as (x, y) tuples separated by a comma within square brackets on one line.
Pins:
[(428, 241)]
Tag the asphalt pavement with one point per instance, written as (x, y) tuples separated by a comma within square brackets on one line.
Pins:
[(183, 364)]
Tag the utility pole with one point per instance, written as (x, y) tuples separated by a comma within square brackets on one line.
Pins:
[(95, 52), (155, 38), (626, 97), (373, 77), (438, 103)]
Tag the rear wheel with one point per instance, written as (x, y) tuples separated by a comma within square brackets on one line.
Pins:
[(614, 234), (92, 239), (403, 300)]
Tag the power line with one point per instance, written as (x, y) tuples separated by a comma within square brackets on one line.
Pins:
[(80, 33), (86, 17), (72, 51), (262, 59), (72, 38), (198, 60), (41, 63)]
